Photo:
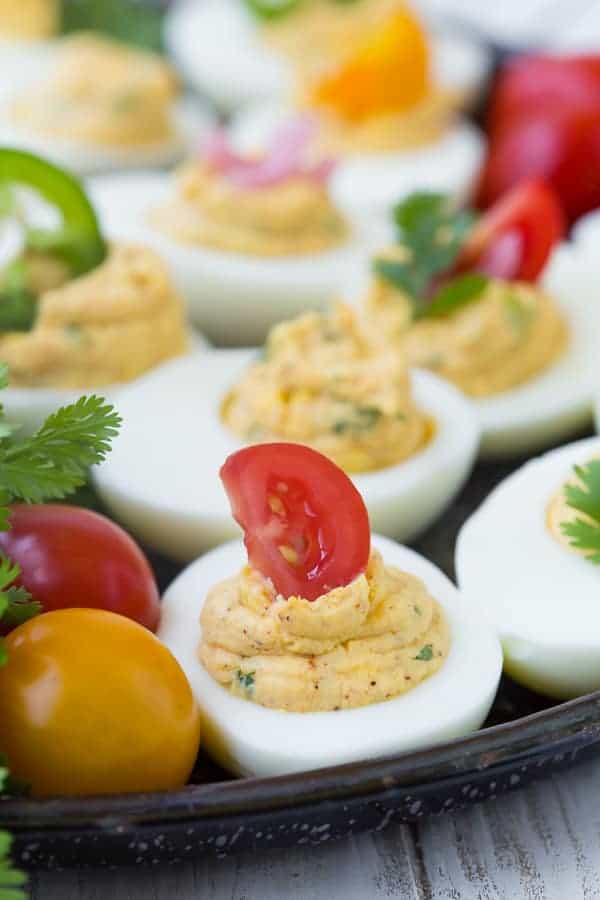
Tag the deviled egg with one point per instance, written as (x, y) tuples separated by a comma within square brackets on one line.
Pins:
[(383, 113), (249, 241), (75, 313), (408, 440), (233, 54), (321, 646), (499, 308), (528, 558), (93, 104)]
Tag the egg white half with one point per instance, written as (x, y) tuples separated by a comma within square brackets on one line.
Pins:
[(234, 299), (217, 46), (30, 406), (191, 121), (161, 478), (249, 739), (366, 186), (557, 403), (541, 597)]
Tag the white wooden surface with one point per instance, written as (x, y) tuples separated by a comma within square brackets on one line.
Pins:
[(542, 843)]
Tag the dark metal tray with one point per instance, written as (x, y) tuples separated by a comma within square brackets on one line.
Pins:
[(526, 737)]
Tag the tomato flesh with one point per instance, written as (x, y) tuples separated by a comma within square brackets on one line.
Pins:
[(305, 525), (515, 238), (72, 557)]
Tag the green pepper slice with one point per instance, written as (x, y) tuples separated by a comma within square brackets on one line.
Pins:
[(77, 241)]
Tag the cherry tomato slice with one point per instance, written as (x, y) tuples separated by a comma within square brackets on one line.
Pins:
[(542, 84), (563, 148), (306, 526), (71, 557), (515, 238)]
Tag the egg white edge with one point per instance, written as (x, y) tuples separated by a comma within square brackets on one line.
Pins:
[(556, 654), (260, 741), (29, 406), (427, 481)]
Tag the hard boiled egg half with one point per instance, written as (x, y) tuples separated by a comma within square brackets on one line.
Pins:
[(537, 583), (249, 739), (223, 51), (161, 479), (91, 104), (232, 295), (365, 185)]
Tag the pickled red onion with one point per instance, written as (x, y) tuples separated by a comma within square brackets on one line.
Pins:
[(286, 158)]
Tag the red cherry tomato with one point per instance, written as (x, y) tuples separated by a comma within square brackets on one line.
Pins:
[(563, 148), (515, 238), (71, 557), (306, 526), (543, 84)]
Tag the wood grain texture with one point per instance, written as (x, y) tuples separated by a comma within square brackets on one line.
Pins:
[(542, 843)]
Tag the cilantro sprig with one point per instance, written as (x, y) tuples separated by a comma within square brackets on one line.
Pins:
[(48, 465), (432, 233), (584, 497)]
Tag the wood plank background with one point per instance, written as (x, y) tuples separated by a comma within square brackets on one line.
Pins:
[(542, 843)]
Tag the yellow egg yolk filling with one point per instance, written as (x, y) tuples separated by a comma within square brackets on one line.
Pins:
[(324, 383), (29, 19), (510, 334), (289, 218), (367, 642), (106, 327), (102, 93)]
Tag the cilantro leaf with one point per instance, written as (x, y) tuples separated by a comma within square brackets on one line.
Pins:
[(425, 654), (584, 497), (431, 232), (53, 462), (454, 294)]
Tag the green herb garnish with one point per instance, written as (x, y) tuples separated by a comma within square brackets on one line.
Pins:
[(425, 654), (432, 233), (519, 313), (363, 418), (584, 534), (246, 679), (48, 465)]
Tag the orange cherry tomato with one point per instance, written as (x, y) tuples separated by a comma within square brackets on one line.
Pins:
[(93, 703)]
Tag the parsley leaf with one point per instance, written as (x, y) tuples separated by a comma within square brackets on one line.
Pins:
[(425, 654), (584, 497), (431, 232)]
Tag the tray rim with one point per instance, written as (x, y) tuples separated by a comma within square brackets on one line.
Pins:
[(505, 743)]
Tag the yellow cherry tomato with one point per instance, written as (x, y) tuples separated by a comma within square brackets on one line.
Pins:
[(388, 73), (93, 703)]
